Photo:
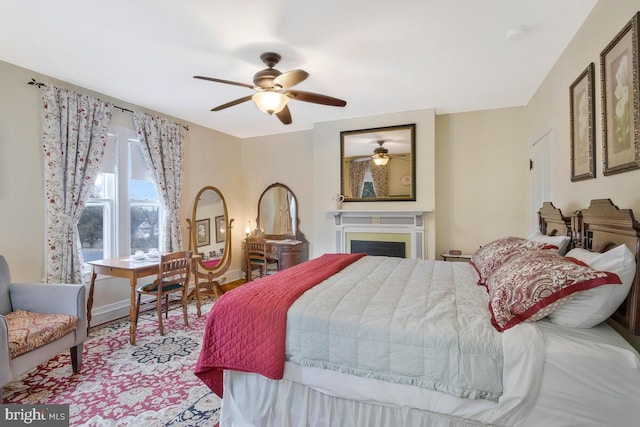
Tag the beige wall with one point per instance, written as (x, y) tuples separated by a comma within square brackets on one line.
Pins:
[(21, 174), (214, 159), (482, 178), (550, 108), (483, 156), (551, 105), (286, 158)]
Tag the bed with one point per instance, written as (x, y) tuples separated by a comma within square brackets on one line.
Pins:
[(352, 340)]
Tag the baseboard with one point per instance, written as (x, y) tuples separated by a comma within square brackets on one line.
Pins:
[(109, 312)]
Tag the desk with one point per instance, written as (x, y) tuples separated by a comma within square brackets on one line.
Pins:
[(126, 268)]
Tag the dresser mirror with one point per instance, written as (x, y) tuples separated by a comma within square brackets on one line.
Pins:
[(278, 213), (210, 237), (378, 164)]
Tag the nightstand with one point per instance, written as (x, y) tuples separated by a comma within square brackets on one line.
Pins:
[(462, 257)]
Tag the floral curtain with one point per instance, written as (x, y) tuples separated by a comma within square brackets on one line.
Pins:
[(161, 141), (74, 132), (356, 177), (379, 175)]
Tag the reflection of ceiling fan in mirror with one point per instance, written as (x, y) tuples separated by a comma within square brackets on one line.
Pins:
[(272, 90), (380, 154)]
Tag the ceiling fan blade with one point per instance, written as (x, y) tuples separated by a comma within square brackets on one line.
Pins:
[(232, 103), (315, 98), (229, 82), (290, 78), (285, 115)]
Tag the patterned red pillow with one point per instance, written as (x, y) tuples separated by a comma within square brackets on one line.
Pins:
[(492, 255), (527, 287)]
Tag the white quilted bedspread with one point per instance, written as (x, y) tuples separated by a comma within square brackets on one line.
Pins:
[(407, 321)]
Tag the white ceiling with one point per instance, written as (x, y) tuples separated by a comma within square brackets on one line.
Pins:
[(379, 56)]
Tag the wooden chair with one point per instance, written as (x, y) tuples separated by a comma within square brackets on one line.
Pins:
[(174, 270), (258, 259)]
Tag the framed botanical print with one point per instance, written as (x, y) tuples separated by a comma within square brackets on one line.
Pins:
[(203, 233), (221, 229), (581, 106), (621, 101)]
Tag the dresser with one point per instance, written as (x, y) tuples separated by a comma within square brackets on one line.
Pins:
[(288, 252)]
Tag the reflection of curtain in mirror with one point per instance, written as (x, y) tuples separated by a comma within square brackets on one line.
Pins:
[(356, 177), (380, 182), (293, 214), (277, 212), (285, 216)]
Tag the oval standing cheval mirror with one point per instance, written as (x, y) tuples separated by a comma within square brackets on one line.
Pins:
[(210, 240)]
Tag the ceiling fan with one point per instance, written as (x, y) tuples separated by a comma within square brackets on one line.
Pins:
[(273, 90)]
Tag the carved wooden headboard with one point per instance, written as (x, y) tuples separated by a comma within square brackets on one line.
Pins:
[(604, 226), (552, 222)]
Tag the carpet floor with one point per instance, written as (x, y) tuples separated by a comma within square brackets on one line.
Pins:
[(147, 384)]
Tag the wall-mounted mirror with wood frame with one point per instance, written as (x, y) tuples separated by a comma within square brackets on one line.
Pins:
[(378, 164)]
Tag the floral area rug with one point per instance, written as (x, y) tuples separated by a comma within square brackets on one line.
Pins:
[(147, 384)]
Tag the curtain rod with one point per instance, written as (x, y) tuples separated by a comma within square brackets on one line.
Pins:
[(33, 82)]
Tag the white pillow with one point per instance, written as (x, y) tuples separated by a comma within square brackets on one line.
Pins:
[(592, 307), (562, 242)]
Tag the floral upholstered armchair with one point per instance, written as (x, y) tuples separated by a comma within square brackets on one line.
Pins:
[(37, 322)]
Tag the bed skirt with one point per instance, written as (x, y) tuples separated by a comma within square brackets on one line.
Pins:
[(253, 400)]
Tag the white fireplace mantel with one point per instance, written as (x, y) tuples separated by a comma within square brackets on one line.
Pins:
[(378, 221)]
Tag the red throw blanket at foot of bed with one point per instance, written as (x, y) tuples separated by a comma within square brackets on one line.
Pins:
[(246, 327)]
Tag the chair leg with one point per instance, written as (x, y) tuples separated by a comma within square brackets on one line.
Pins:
[(197, 291), (184, 307), (135, 319), (76, 358), (166, 306), (159, 310)]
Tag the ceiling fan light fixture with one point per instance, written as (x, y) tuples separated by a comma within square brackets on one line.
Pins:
[(270, 102), (381, 160), (380, 155)]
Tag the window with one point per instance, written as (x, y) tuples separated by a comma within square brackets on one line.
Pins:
[(124, 212), (368, 189)]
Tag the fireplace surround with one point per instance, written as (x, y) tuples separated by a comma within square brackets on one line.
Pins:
[(382, 226)]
